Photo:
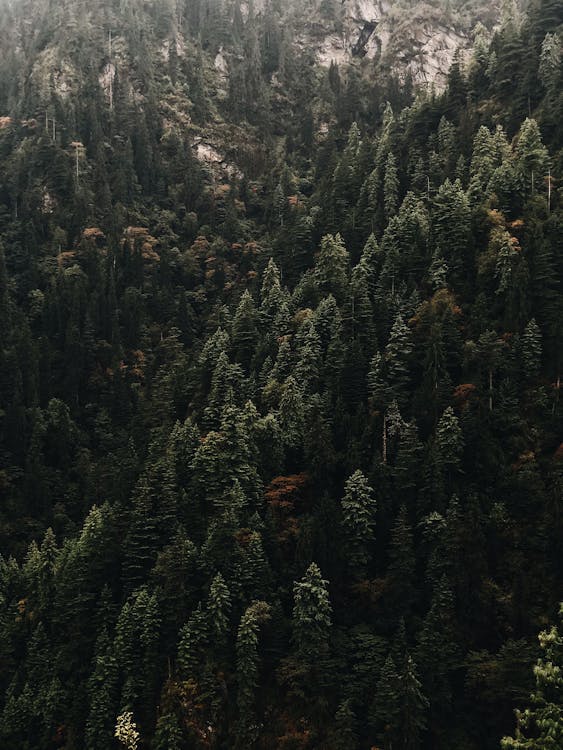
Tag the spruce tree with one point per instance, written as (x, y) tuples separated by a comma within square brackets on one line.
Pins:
[(358, 516), (312, 613), (247, 671), (397, 359), (531, 347), (390, 187), (532, 157), (331, 267), (540, 727)]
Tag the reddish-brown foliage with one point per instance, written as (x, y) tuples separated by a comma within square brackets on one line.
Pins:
[(93, 233), (66, 259), (286, 499), (282, 491), (244, 537), (464, 392)]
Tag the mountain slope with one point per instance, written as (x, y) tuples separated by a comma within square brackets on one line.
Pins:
[(280, 413)]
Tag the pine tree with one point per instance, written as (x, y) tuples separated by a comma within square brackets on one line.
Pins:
[(309, 363), (227, 384), (450, 228), (483, 164), (136, 647), (331, 267), (439, 632), (409, 457), (384, 712), (390, 187), (252, 571), (449, 441), (359, 310), (532, 157), (311, 614), (346, 175), (219, 606), (401, 569), (345, 735), (141, 541), (531, 350), (245, 331), (550, 61), (397, 359), (291, 415), (541, 726), (489, 351), (358, 517), (247, 671), (103, 695), (370, 262), (194, 639), (168, 735), (412, 705)]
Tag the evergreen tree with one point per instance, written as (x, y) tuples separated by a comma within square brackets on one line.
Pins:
[(541, 726), (384, 712), (397, 359), (345, 733), (247, 671), (244, 330), (531, 350), (390, 187), (532, 157), (331, 267), (450, 228), (358, 510), (449, 441), (401, 566), (439, 631), (311, 614), (219, 606), (412, 704)]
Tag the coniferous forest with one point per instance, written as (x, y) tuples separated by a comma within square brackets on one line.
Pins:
[(280, 359)]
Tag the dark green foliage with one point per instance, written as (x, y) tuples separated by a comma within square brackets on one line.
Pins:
[(261, 318), (541, 726), (358, 519)]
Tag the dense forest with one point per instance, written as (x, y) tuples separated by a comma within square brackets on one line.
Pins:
[(280, 360)]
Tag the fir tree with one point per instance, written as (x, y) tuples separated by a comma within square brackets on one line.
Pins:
[(358, 510), (247, 671), (311, 614), (540, 727)]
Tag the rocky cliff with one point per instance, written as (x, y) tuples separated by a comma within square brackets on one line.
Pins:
[(419, 41)]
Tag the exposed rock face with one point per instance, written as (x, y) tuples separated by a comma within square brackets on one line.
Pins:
[(417, 42), (214, 160)]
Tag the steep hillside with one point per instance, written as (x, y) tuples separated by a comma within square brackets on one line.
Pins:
[(281, 316), (211, 66)]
